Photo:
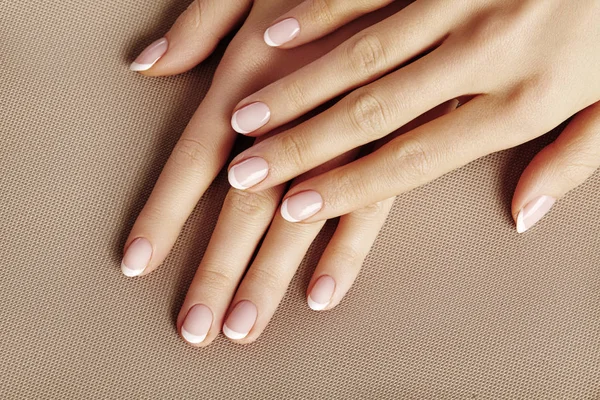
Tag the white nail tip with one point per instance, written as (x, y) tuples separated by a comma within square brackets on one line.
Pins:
[(231, 334), (236, 126), (269, 41), (130, 272), (521, 223), (191, 338), (285, 214), (314, 305), (140, 67), (233, 181)]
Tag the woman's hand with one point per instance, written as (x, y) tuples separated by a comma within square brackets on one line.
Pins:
[(522, 67), (216, 291)]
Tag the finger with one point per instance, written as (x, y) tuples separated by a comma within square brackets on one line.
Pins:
[(193, 164), (192, 38), (242, 223), (365, 115), (366, 56), (561, 166), (417, 157), (313, 19), (266, 281), (355, 234), (345, 254)]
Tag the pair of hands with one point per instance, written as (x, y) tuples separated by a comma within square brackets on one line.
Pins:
[(520, 67)]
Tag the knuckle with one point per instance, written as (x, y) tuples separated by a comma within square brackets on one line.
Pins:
[(265, 277), (253, 205), (294, 149), (295, 94), (412, 159), (215, 277), (368, 114), (370, 212), (321, 12), (190, 154), (366, 55), (346, 255)]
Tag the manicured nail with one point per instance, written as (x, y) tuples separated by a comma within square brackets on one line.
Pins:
[(321, 293), (250, 118), (150, 55), (240, 321), (282, 32), (301, 206), (248, 173), (136, 257), (533, 212), (197, 324)]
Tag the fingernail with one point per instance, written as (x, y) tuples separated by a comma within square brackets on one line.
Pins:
[(248, 173), (301, 206), (136, 257), (197, 324), (250, 118), (240, 321), (533, 212), (150, 55), (321, 293), (282, 32)]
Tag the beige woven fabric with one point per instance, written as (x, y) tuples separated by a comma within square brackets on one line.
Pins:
[(451, 304)]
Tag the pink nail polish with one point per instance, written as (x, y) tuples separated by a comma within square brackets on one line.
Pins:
[(197, 324), (301, 206), (282, 32), (136, 258), (321, 293), (150, 55), (533, 212), (248, 173), (240, 321), (250, 118)]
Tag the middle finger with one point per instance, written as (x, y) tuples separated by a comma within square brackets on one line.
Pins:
[(365, 115)]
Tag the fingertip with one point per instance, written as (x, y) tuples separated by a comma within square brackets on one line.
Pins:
[(150, 55)]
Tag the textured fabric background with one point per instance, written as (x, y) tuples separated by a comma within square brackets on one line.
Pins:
[(452, 302)]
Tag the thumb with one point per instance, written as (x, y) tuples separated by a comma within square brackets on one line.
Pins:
[(192, 38)]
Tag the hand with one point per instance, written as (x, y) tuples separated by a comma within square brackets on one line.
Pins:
[(245, 217), (521, 66)]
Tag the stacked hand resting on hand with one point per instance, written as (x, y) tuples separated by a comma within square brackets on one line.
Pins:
[(320, 84)]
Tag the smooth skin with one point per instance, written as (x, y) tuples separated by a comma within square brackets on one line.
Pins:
[(202, 151), (525, 67)]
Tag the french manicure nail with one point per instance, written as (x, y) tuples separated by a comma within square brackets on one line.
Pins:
[(197, 324), (301, 206), (248, 173), (533, 212), (136, 258), (250, 118), (321, 293), (282, 32), (150, 55), (240, 321)]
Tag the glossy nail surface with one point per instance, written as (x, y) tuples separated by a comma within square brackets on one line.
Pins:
[(533, 212), (150, 55), (197, 324), (282, 32), (240, 320), (248, 173), (321, 293), (301, 206), (136, 258), (250, 118)]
